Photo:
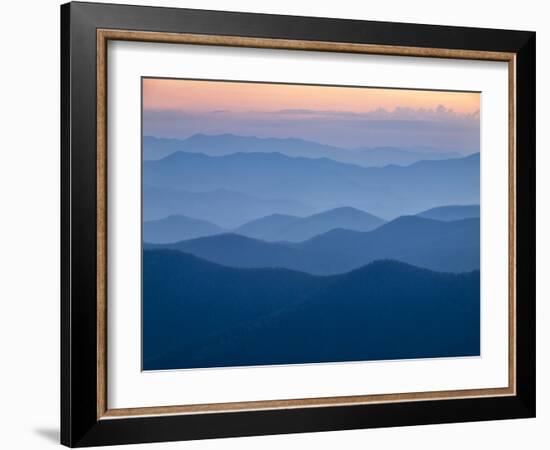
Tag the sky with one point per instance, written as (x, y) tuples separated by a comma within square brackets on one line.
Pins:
[(349, 117)]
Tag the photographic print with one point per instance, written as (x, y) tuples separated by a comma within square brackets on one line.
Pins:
[(300, 224)]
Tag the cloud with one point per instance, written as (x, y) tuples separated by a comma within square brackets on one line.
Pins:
[(440, 127), (441, 113)]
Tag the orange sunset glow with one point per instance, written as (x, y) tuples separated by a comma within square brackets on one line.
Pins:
[(349, 117), (197, 96)]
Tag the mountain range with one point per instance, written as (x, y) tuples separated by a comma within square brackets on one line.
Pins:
[(285, 227), (225, 208), (441, 246), (274, 227), (313, 185), (155, 148), (296, 229), (385, 310), (286, 251)]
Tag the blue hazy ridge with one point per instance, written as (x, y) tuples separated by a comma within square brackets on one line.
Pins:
[(437, 245), (273, 227), (277, 227), (155, 148), (304, 186)]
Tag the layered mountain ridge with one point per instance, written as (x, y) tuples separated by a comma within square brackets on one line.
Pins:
[(385, 310)]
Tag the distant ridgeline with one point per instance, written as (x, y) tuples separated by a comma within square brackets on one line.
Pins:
[(233, 189), (224, 144), (285, 251)]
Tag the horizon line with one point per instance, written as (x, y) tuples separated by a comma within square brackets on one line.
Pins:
[(354, 148)]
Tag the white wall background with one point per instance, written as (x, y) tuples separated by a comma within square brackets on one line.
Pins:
[(29, 226)]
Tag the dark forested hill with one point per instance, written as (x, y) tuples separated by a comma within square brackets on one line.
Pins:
[(385, 310), (187, 300)]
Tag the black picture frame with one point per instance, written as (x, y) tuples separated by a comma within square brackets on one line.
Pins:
[(80, 425)]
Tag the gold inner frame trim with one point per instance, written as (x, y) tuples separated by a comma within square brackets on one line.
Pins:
[(103, 36)]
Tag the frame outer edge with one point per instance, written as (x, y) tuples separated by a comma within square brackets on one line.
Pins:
[(65, 389), (79, 199), (79, 426), (526, 224)]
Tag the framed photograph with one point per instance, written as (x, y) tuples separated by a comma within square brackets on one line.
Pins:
[(277, 224)]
